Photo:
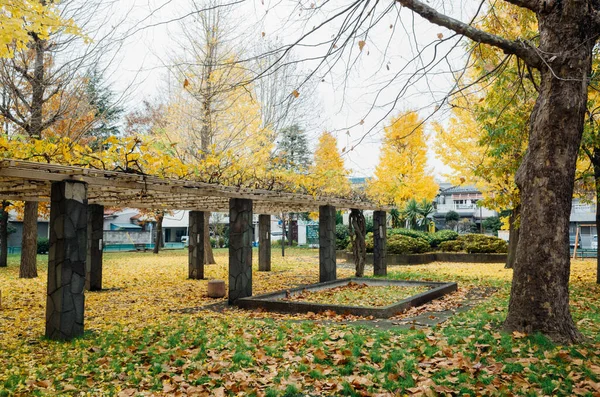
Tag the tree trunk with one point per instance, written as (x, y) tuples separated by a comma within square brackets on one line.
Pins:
[(4, 235), (513, 233), (28, 268), (539, 300), (158, 237), (358, 231)]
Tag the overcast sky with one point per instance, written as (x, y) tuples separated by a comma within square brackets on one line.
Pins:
[(365, 91)]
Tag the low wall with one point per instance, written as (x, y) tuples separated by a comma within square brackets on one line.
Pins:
[(421, 259), (126, 237)]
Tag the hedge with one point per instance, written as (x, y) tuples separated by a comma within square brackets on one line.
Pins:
[(405, 241)]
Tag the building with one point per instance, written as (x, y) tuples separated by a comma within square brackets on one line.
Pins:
[(463, 200), (583, 216)]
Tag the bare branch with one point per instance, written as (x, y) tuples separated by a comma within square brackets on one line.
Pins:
[(518, 48)]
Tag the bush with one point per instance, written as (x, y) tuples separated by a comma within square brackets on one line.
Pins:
[(410, 233), (475, 244), (342, 238), (451, 246), (368, 243), (43, 245), (442, 236), (401, 244)]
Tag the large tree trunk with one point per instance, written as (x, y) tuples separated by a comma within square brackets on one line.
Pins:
[(209, 257), (4, 235), (513, 233), (539, 299), (28, 268), (158, 237)]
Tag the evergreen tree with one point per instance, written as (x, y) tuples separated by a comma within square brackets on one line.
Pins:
[(107, 111), (292, 149)]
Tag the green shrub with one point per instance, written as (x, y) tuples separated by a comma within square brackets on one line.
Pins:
[(342, 238), (441, 236), (43, 245), (410, 233), (368, 243), (401, 244), (451, 246), (475, 244)]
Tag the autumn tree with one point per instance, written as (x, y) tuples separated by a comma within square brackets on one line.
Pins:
[(328, 174), (402, 171), (24, 21), (561, 51)]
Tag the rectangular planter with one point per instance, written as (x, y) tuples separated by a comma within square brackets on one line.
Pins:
[(274, 302)]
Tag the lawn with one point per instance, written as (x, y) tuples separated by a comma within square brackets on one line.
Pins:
[(138, 342)]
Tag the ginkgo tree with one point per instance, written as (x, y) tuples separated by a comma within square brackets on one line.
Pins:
[(27, 20), (328, 175), (402, 172)]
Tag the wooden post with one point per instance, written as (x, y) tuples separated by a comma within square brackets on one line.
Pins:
[(264, 243), (66, 260), (379, 243), (93, 277), (240, 249), (196, 245), (576, 241), (327, 261)]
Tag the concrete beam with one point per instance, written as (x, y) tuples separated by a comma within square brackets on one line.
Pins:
[(66, 260), (379, 243), (240, 249), (327, 262), (264, 243), (196, 245), (95, 226)]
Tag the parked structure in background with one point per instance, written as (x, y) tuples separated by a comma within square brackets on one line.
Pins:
[(583, 216), (462, 199)]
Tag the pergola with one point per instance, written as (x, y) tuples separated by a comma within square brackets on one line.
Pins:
[(77, 198)]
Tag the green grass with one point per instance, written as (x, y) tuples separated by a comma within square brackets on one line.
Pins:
[(144, 347)]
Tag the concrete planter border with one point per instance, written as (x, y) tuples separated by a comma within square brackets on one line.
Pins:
[(422, 259), (273, 301)]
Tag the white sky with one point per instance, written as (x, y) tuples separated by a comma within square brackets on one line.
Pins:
[(340, 101)]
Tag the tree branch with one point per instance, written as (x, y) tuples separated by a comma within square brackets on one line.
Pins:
[(518, 48), (533, 5)]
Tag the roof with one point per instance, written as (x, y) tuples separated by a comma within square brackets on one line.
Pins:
[(126, 226), (30, 181), (460, 189)]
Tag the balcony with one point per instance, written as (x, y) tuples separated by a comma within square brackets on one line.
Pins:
[(583, 209), (465, 210)]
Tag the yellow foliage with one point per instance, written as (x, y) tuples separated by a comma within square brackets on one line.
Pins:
[(21, 18), (328, 176), (402, 170)]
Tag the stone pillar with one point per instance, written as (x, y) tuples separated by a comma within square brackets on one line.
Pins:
[(66, 260), (264, 243), (240, 249), (327, 262), (95, 226), (379, 243), (196, 245)]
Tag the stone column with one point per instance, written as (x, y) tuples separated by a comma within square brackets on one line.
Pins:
[(240, 249), (66, 260), (196, 245), (327, 262), (379, 243), (95, 226), (264, 243)]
